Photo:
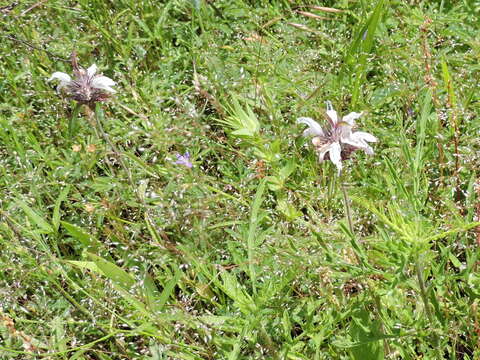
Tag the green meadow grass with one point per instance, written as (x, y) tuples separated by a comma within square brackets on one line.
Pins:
[(249, 254)]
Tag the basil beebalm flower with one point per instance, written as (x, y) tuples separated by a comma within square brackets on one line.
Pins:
[(337, 141), (87, 87)]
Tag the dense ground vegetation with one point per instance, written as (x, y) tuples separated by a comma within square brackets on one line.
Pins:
[(110, 249)]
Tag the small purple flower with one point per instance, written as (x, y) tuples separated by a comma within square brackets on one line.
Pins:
[(184, 160)]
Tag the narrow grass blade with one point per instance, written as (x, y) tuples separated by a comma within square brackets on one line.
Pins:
[(168, 290), (81, 235), (361, 48), (115, 273), (252, 232), (36, 218), (56, 210), (73, 122)]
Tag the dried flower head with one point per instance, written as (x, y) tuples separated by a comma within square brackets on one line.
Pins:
[(87, 87), (337, 141)]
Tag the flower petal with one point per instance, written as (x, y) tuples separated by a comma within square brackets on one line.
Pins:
[(368, 150), (350, 118), (184, 160), (92, 70), (364, 136), (356, 143), (359, 140), (314, 127), (322, 151), (332, 114), (103, 83), (360, 145), (64, 78), (336, 156)]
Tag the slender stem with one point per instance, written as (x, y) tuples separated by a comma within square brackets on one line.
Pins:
[(378, 304), (432, 85), (348, 214), (423, 290), (424, 296), (348, 211), (114, 148), (72, 124), (97, 114)]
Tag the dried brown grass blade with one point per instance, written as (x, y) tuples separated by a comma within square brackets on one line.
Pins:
[(312, 15), (301, 27), (325, 9)]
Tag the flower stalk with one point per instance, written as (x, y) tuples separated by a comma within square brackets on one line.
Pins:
[(98, 117), (426, 304), (348, 215), (89, 88)]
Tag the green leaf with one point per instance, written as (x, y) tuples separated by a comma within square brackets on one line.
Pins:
[(363, 329), (73, 122), (168, 290), (242, 121), (151, 292), (362, 46), (252, 231), (118, 276), (459, 229), (81, 235), (288, 169), (37, 219), (236, 292), (288, 210), (86, 265), (122, 281), (56, 210)]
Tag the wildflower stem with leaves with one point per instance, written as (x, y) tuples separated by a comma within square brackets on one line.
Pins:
[(99, 116), (336, 142), (90, 89)]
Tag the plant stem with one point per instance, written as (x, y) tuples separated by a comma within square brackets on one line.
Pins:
[(378, 304), (423, 294), (105, 136), (348, 214), (73, 123)]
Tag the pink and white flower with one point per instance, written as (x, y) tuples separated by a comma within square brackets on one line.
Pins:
[(337, 140), (87, 87)]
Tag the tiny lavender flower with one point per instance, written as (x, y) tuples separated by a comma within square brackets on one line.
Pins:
[(184, 160), (87, 87), (337, 140)]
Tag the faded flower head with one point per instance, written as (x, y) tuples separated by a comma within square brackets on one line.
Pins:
[(184, 160), (337, 140), (87, 87)]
